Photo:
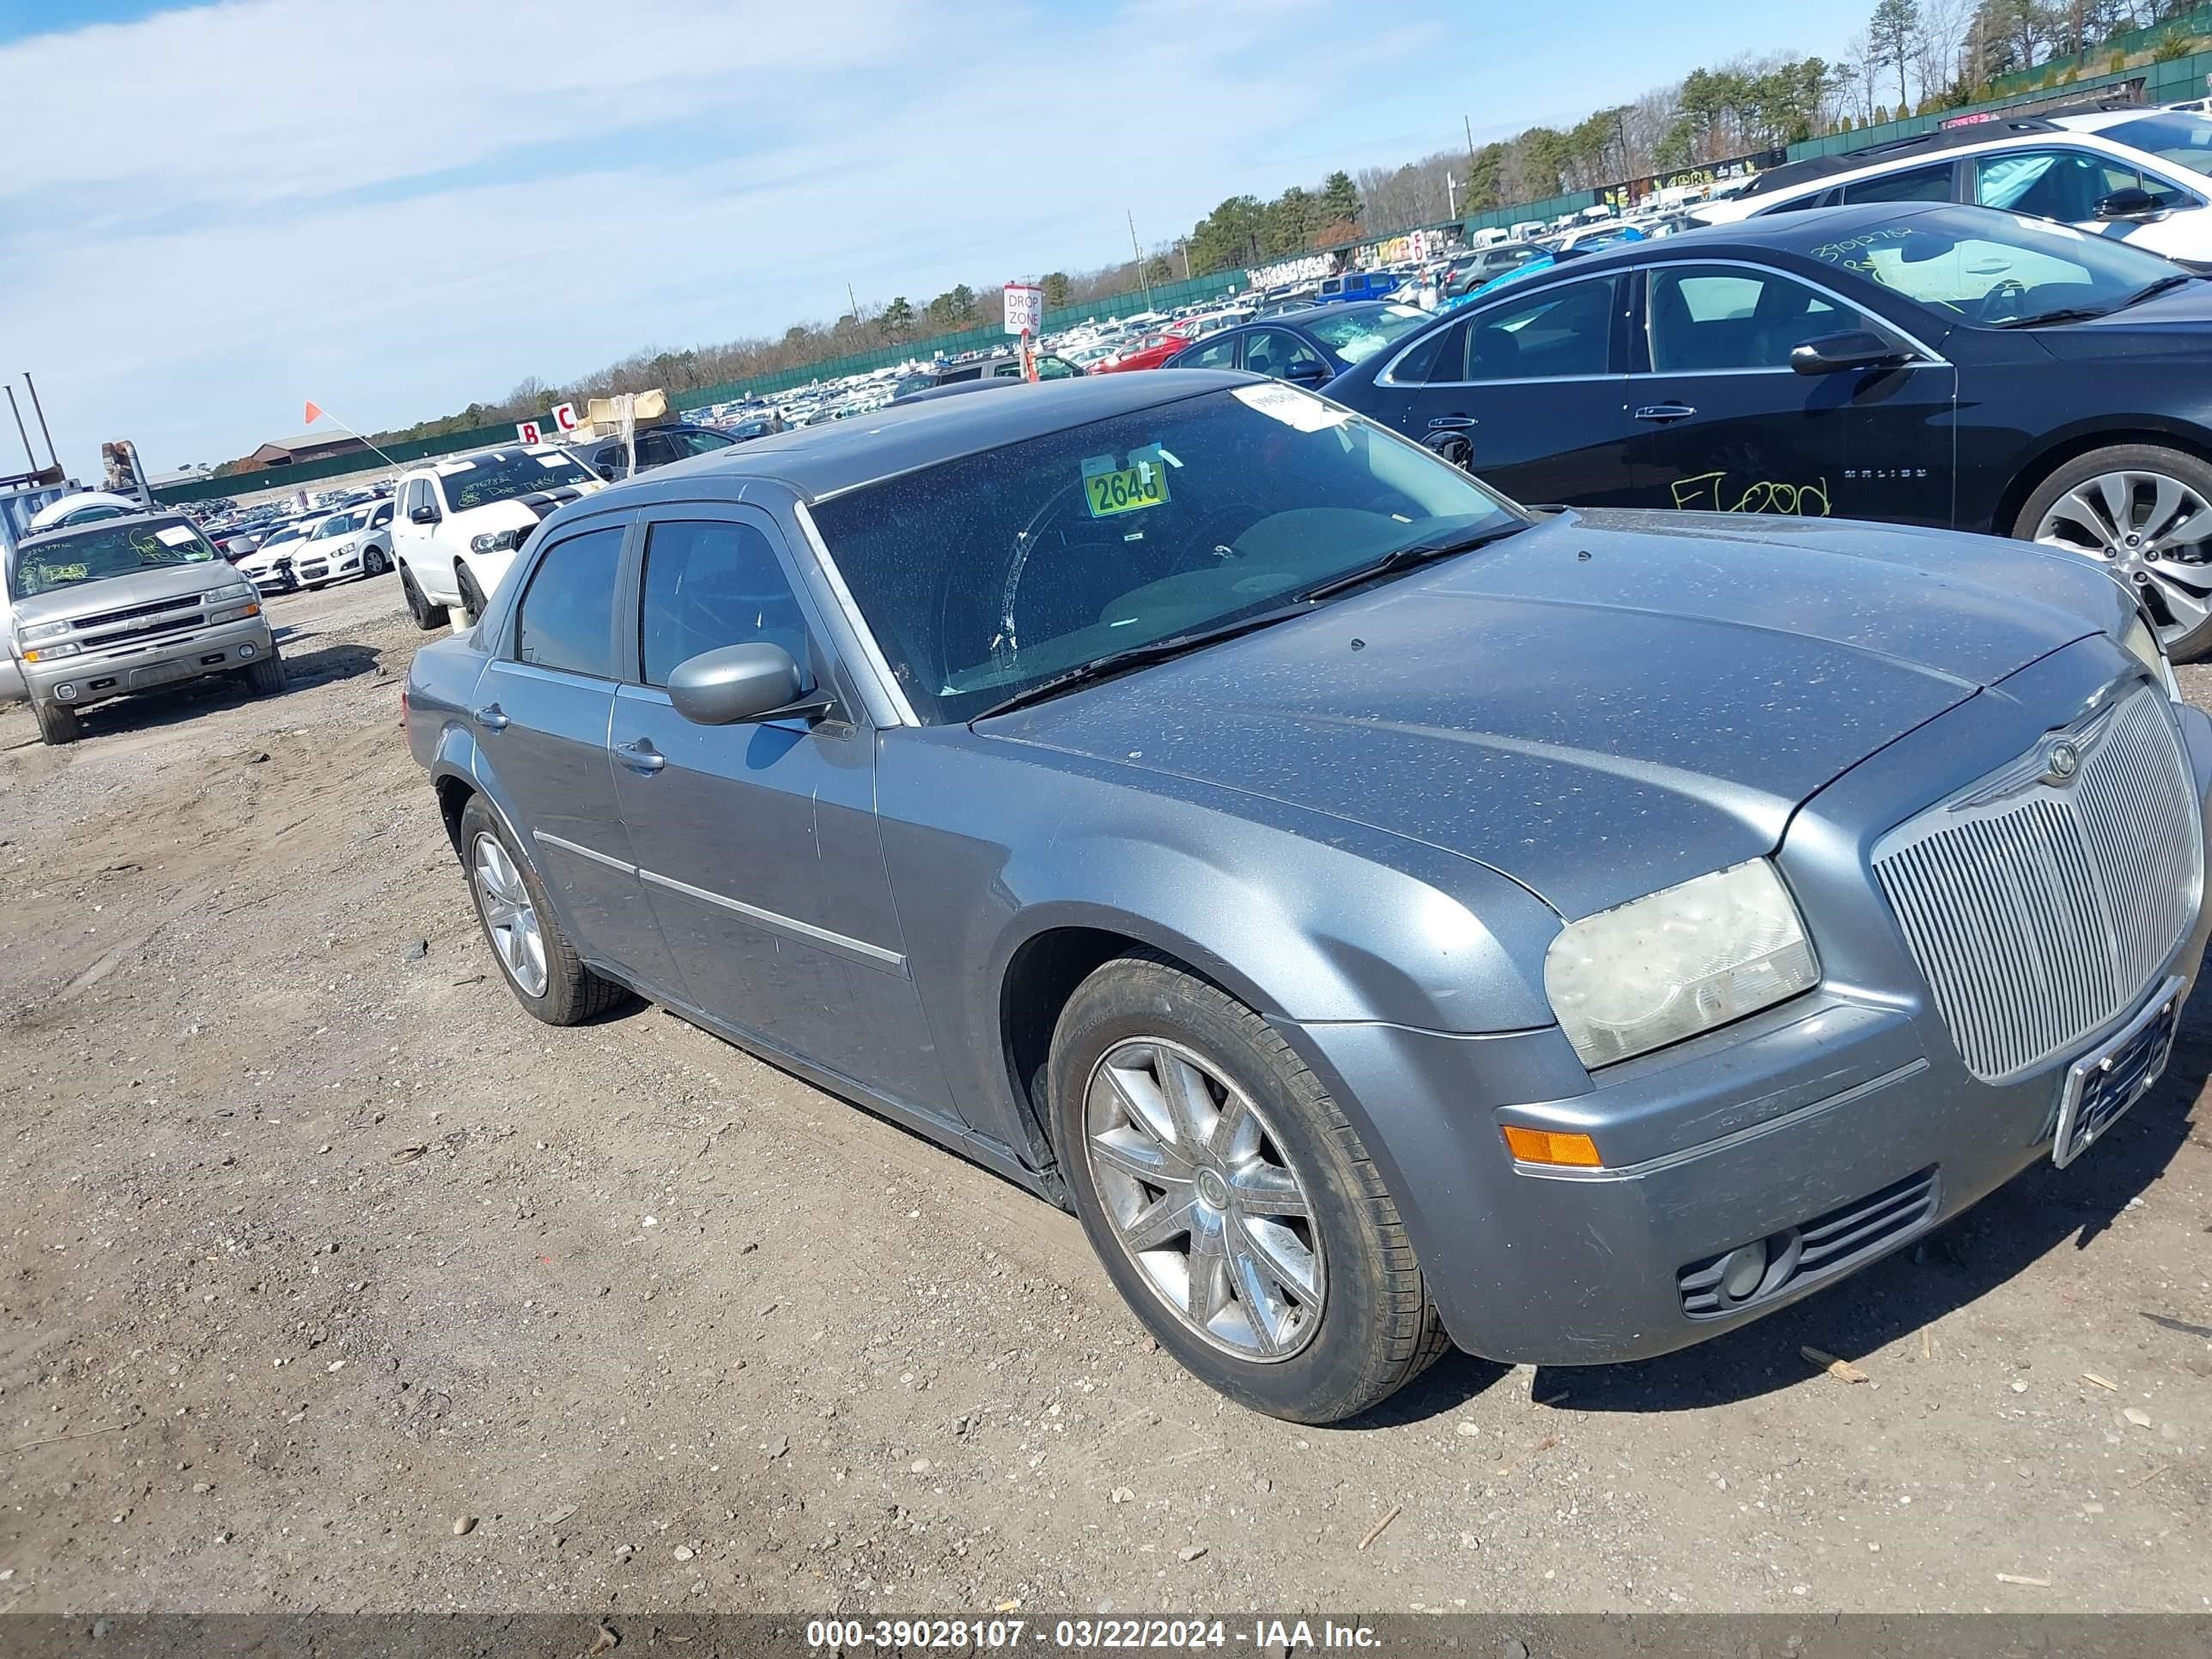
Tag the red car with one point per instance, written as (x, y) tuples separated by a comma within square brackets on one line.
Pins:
[(1156, 348)]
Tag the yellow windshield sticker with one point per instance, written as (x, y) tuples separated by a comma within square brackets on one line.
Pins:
[(1109, 490)]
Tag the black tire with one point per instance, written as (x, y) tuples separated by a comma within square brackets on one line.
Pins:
[(573, 993), (374, 562), (428, 617), (472, 599), (1377, 1327), (2184, 642), (58, 722), (264, 677)]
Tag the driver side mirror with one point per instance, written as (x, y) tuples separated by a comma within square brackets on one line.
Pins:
[(1833, 353), (739, 684), (2131, 202), (424, 515), (606, 470), (1304, 373)]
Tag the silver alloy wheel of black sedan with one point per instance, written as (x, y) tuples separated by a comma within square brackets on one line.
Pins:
[(1200, 1195), (2141, 522), (509, 916)]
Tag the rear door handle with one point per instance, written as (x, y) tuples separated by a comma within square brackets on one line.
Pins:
[(491, 717), (1664, 413), (640, 755), (1451, 422)]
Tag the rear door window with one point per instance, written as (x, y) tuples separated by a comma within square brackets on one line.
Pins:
[(1561, 332), (566, 620), (1931, 184)]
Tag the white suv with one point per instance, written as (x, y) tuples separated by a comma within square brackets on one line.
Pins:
[(461, 519), (2142, 175)]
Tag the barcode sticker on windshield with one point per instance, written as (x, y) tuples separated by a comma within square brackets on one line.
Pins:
[(446, 469), (556, 459), (175, 536), (1293, 408)]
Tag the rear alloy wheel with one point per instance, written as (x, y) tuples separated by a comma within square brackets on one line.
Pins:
[(374, 563), (58, 722), (542, 967), (428, 617), (2147, 512), (1233, 1206)]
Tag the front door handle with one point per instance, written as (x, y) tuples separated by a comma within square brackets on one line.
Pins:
[(1663, 413), (1451, 423), (491, 717), (640, 755)]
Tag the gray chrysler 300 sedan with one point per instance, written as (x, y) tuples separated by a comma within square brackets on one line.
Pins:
[(1386, 916)]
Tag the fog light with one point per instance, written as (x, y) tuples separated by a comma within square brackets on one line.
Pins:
[(1741, 1271), (66, 693), (245, 651)]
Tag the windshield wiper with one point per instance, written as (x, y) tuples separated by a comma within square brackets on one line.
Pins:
[(2064, 314), (2163, 285), (1116, 662), (1413, 553)]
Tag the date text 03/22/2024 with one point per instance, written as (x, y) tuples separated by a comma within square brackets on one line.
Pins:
[(1085, 1635)]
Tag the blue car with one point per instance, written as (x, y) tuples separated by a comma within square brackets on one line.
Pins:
[(1311, 347)]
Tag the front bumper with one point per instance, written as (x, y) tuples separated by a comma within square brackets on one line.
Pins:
[(95, 677), (1844, 1122), (308, 571)]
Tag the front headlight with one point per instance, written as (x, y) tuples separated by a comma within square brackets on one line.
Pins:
[(53, 630), (48, 652), (1660, 969), (235, 613), (2140, 643), (231, 593), (496, 541)]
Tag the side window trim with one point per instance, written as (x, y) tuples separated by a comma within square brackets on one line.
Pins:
[(1640, 365)]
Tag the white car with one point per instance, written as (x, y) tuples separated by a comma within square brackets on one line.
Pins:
[(460, 520), (268, 567), (2141, 175), (356, 542)]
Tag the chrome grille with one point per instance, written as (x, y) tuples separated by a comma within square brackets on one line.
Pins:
[(2037, 910)]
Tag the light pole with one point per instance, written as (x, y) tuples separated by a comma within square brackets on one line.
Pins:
[(1137, 254)]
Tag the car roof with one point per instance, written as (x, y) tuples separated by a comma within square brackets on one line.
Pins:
[(1799, 232), (500, 451), (2071, 117), (817, 461)]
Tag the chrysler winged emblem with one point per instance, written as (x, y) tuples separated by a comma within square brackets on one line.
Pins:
[(2055, 762)]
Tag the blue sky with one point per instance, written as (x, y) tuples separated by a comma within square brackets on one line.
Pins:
[(214, 212)]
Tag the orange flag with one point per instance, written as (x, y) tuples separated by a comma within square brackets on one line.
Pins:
[(314, 413)]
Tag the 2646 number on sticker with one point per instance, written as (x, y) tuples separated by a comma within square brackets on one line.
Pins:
[(1128, 489)]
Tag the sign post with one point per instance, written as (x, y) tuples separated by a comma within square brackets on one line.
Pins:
[(1025, 308)]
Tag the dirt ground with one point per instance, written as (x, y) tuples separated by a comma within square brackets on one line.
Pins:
[(331, 1279)]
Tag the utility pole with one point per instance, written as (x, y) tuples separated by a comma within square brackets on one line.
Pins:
[(1452, 197), (1139, 254), (856, 304), (1469, 125)]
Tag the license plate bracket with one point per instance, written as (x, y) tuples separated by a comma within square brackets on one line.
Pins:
[(2102, 1087)]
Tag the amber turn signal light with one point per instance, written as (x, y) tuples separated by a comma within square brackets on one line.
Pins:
[(1549, 1146)]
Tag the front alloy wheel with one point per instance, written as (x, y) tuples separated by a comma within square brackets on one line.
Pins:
[(2147, 513), (509, 916), (1197, 1190)]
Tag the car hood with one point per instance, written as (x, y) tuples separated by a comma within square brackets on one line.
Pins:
[(120, 593), (1605, 704), (2175, 324)]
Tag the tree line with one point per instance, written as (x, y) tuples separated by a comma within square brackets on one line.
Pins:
[(1912, 56)]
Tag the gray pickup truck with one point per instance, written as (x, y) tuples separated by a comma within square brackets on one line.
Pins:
[(122, 605)]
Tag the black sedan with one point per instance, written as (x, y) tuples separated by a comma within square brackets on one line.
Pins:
[(657, 446), (1925, 364), (1311, 346)]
